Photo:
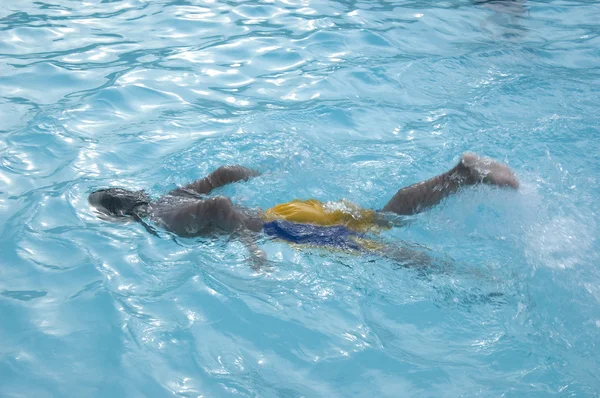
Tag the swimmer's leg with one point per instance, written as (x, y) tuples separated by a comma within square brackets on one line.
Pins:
[(407, 257), (221, 176), (404, 254), (471, 170)]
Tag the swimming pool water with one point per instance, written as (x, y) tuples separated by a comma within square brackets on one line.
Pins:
[(330, 99)]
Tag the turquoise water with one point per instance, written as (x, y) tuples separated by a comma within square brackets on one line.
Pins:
[(337, 99)]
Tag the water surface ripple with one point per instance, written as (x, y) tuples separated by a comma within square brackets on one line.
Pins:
[(330, 99)]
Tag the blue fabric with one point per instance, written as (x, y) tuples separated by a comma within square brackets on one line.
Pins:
[(337, 236)]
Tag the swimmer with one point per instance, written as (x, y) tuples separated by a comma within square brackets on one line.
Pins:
[(188, 211)]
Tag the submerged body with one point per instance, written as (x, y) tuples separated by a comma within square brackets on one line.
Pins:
[(188, 212)]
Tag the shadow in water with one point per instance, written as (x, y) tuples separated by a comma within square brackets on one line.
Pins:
[(508, 14)]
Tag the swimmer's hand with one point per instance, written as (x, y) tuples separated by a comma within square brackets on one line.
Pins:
[(488, 171), (258, 258)]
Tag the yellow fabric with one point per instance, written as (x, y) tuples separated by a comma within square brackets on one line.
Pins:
[(315, 212), (370, 244)]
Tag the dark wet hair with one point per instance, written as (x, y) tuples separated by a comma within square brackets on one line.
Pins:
[(119, 202)]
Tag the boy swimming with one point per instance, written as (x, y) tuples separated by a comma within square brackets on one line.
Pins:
[(188, 212)]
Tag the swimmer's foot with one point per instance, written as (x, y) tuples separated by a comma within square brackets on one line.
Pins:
[(488, 171)]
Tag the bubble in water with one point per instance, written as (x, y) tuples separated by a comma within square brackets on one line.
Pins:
[(561, 243)]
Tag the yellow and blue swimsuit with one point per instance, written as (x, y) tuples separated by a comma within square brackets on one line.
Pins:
[(341, 225)]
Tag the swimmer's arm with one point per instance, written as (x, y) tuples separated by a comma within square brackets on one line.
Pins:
[(258, 258), (222, 214), (217, 214), (222, 176)]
